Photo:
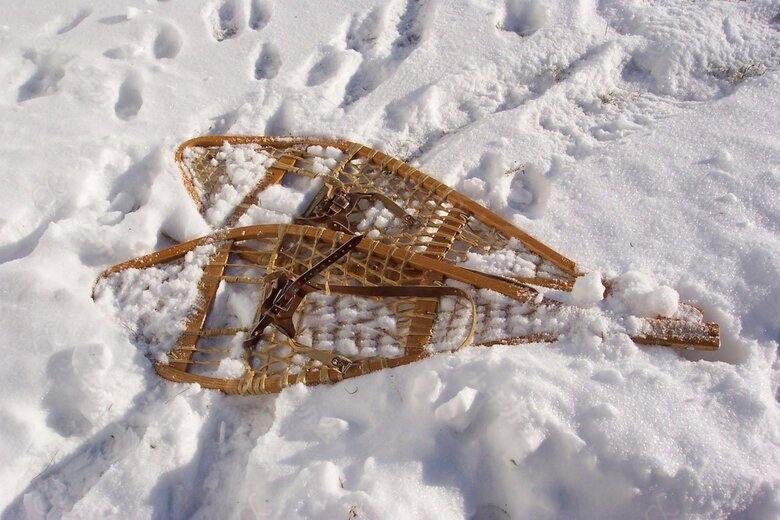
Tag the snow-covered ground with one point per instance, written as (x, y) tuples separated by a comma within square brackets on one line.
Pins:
[(633, 136)]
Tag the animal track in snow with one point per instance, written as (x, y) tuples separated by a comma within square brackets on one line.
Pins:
[(113, 20), (681, 61), (45, 81), (62, 485), (126, 52), (529, 192), (448, 106), (363, 33), (411, 29), (268, 63), (326, 68), (130, 98), (414, 25), (259, 14), (228, 433), (168, 42), (283, 120), (81, 15), (225, 20), (223, 123), (524, 17)]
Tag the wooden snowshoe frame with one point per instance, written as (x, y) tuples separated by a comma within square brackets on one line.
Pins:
[(246, 256), (433, 219), (318, 304), (251, 256)]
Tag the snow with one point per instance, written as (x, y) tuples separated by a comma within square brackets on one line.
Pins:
[(639, 138), (154, 303), (637, 294), (588, 290)]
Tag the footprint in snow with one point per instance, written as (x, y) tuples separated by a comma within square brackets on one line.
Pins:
[(224, 122), (326, 68), (490, 512), (414, 25), (113, 20), (168, 42), (80, 16), (130, 97), (44, 82), (48, 74), (411, 30), (364, 31), (283, 121), (259, 14), (224, 21), (268, 63), (529, 191), (524, 17)]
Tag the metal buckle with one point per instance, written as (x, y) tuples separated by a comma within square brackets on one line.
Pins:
[(340, 363), (340, 200), (410, 221), (282, 300)]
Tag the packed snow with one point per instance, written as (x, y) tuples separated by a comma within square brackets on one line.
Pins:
[(154, 303), (638, 138)]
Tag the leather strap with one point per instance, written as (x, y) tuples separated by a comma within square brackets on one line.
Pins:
[(282, 296), (393, 291), (282, 318), (334, 212)]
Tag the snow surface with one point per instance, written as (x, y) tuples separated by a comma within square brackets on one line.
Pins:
[(639, 138)]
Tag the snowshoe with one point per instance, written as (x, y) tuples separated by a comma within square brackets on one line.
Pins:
[(251, 310)]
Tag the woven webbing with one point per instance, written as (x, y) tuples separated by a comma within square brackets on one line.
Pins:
[(358, 330), (344, 333), (447, 229)]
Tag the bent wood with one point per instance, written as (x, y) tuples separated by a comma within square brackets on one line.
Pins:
[(403, 170), (659, 331)]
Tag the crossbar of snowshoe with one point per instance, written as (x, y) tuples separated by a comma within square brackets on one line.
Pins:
[(679, 334), (276, 231)]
